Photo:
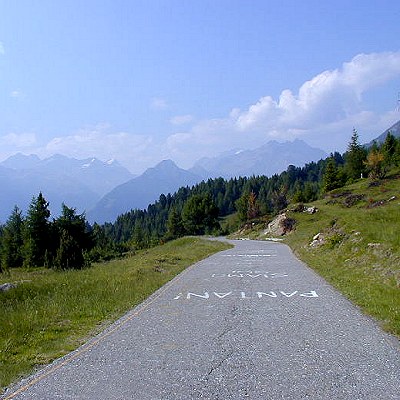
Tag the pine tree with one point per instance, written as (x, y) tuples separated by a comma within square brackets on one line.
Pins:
[(69, 253), (330, 178), (12, 241), (37, 232), (200, 215), (175, 227), (242, 205), (279, 198), (389, 149), (355, 157), (73, 239), (138, 235)]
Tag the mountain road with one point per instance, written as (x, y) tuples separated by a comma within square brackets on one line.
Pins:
[(251, 322)]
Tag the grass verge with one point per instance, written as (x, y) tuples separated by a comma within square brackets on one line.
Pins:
[(51, 313), (358, 246), (358, 249)]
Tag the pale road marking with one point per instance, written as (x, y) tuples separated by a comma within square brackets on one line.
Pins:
[(256, 274), (274, 294), (248, 255), (86, 347)]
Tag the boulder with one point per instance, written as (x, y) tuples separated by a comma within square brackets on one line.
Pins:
[(317, 240), (7, 286), (280, 226)]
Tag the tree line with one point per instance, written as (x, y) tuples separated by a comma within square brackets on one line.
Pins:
[(69, 241)]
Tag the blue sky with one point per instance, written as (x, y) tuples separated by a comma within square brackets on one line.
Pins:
[(141, 81)]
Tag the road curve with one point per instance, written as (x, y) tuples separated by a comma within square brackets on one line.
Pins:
[(252, 322)]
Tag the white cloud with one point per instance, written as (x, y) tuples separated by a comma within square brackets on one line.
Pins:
[(323, 112), (17, 94), (181, 119), (2, 49), (18, 140), (159, 103), (328, 97)]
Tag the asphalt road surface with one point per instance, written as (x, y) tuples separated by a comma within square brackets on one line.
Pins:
[(252, 322)]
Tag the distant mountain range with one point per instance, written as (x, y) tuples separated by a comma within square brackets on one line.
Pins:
[(166, 177), (270, 159), (77, 183), (105, 190)]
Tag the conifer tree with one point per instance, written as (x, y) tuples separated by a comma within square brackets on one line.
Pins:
[(73, 239), (242, 205), (69, 253), (37, 232), (200, 215), (330, 178), (138, 235), (355, 157), (12, 241), (389, 149), (174, 225)]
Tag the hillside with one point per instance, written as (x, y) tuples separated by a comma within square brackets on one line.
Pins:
[(394, 130), (353, 242), (166, 177)]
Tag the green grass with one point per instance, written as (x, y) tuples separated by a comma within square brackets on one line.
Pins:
[(51, 313), (361, 254)]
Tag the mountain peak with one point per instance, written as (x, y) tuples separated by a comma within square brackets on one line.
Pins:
[(166, 164), (21, 161), (166, 177)]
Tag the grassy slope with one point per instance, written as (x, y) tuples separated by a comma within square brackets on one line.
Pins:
[(361, 253), (51, 313)]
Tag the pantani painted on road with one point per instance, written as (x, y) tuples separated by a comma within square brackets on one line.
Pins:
[(248, 255), (247, 295), (250, 274)]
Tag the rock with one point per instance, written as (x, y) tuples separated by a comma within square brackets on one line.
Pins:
[(272, 239), (374, 245), (353, 199), (7, 286), (317, 236), (311, 210), (317, 240), (280, 226)]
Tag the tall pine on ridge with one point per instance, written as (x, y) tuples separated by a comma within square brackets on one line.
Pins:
[(37, 237)]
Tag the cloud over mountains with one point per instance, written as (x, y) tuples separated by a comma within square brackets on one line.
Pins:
[(323, 112), (328, 97)]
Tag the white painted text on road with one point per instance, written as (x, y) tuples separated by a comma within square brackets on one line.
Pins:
[(246, 295)]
